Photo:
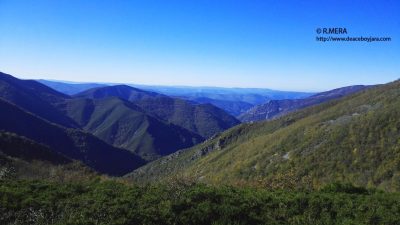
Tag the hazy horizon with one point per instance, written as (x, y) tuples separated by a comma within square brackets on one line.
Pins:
[(185, 86), (179, 86)]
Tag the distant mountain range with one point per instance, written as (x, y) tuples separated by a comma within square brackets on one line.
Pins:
[(252, 96), (70, 88), (247, 104), (233, 100), (353, 139), (275, 108)]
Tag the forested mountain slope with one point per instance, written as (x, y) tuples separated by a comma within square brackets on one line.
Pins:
[(203, 119), (123, 124), (72, 143), (22, 158), (355, 139)]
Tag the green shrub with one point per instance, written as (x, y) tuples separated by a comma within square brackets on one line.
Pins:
[(111, 202)]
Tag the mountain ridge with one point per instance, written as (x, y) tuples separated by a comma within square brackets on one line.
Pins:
[(34, 97), (276, 108)]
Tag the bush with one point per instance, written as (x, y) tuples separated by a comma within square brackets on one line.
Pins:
[(344, 188)]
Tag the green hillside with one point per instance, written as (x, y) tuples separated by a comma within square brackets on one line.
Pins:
[(125, 125), (203, 119), (22, 158), (355, 139), (72, 143)]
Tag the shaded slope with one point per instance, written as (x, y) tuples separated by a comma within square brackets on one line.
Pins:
[(203, 119), (34, 97), (72, 143), (20, 147), (22, 158), (125, 125), (275, 108), (355, 139)]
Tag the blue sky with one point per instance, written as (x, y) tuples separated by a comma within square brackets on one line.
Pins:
[(256, 43)]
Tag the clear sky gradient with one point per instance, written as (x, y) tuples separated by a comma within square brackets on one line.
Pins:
[(249, 43)]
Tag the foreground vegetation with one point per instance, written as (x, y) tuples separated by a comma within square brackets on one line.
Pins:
[(111, 202)]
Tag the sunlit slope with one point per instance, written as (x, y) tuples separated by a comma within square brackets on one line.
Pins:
[(355, 139)]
